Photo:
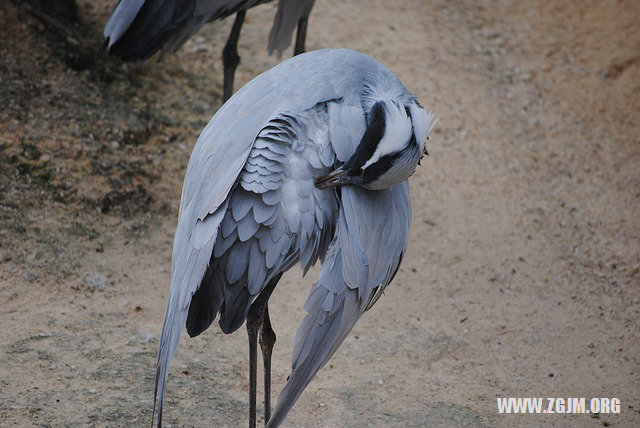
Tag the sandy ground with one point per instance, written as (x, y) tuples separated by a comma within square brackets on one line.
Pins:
[(522, 277)]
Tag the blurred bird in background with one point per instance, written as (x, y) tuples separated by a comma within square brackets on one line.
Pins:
[(137, 29)]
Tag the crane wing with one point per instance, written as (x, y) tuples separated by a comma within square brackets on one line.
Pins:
[(371, 236), (275, 217)]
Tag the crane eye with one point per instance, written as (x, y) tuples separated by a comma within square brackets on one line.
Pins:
[(361, 172)]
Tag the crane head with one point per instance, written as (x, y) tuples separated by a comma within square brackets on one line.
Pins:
[(390, 149)]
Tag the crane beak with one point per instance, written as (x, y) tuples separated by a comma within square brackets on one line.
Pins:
[(334, 178)]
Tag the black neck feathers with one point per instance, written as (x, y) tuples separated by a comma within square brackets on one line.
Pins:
[(370, 139)]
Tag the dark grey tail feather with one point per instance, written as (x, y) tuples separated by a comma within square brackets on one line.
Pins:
[(205, 303), (235, 307)]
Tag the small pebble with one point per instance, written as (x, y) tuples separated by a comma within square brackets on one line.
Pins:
[(95, 280)]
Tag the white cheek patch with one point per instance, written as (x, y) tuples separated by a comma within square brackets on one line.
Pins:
[(397, 132), (423, 122)]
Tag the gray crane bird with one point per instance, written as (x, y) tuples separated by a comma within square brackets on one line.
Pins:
[(137, 29), (307, 161)]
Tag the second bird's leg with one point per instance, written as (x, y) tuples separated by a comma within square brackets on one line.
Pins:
[(255, 318), (301, 36), (230, 57)]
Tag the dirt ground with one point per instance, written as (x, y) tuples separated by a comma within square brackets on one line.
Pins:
[(522, 277)]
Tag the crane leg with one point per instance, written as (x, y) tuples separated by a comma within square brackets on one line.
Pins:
[(301, 36), (255, 319), (267, 340), (253, 325), (230, 57)]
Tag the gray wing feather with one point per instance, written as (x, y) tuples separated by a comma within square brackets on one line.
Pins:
[(257, 269), (262, 213), (273, 218), (285, 22), (247, 227), (237, 262), (240, 206), (224, 243), (349, 280)]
